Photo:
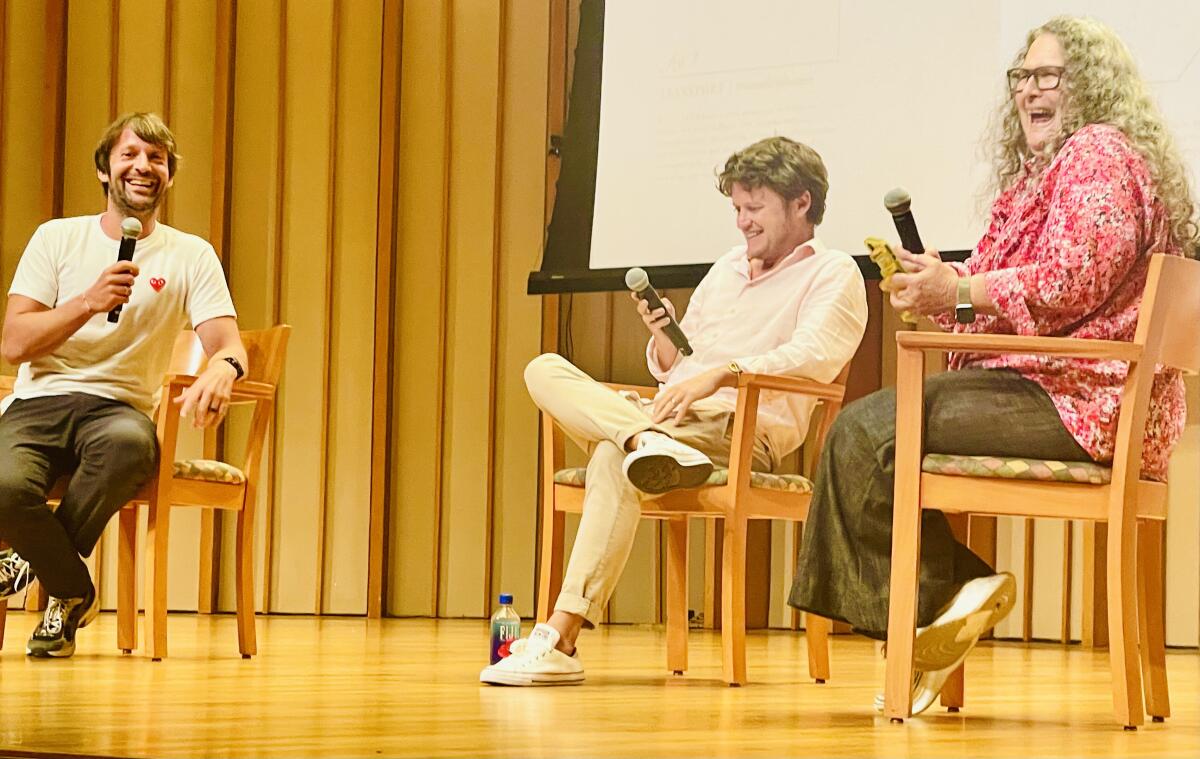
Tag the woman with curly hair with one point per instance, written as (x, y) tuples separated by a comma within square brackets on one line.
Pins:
[(1089, 185)]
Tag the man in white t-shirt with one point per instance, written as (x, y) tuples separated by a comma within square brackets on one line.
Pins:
[(782, 303), (85, 389)]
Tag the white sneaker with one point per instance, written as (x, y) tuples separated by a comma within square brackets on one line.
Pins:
[(535, 661), (976, 608), (927, 686), (662, 463)]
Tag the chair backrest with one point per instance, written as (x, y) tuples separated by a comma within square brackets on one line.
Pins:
[(816, 437), (265, 349), (1167, 317), (1170, 313)]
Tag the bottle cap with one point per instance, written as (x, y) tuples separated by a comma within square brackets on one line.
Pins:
[(506, 598)]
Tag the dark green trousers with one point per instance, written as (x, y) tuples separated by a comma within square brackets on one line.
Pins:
[(109, 448), (844, 568)]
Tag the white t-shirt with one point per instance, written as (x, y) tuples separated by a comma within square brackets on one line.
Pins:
[(180, 283)]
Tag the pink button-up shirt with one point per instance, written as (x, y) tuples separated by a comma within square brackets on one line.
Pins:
[(803, 318), (1066, 255)]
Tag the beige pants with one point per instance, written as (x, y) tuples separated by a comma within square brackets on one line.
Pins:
[(601, 421)]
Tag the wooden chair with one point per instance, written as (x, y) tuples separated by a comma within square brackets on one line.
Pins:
[(732, 496), (206, 484), (1134, 509), (197, 482)]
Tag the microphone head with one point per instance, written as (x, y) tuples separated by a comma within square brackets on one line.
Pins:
[(636, 279), (897, 200), (131, 227)]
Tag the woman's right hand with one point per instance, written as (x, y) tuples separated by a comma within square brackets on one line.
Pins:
[(926, 286)]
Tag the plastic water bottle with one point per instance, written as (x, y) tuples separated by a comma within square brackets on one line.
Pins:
[(506, 627)]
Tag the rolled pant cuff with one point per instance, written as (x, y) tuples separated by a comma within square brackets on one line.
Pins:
[(624, 435), (580, 606)]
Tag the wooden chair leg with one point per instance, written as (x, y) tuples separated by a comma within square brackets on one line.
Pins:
[(206, 590), (550, 564), (157, 530), (677, 595), (1094, 600), (36, 597), (954, 691), (906, 536), (244, 578), (733, 601), (902, 612), (1123, 624), (1151, 619), (816, 635), (713, 529), (127, 579)]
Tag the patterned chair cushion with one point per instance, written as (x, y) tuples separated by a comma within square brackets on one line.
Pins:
[(209, 471), (1085, 472), (791, 483)]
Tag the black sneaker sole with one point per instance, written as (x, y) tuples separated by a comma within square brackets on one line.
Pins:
[(62, 652), (660, 474)]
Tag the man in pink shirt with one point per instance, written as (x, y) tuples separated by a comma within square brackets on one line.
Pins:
[(782, 303)]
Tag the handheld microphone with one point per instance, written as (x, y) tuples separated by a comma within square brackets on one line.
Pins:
[(130, 229), (897, 202), (638, 281)]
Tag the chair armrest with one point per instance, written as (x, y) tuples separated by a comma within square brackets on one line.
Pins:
[(792, 385), (244, 391), (1113, 350)]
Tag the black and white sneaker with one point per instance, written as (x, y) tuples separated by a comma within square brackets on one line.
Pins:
[(55, 636), (662, 463), (14, 573)]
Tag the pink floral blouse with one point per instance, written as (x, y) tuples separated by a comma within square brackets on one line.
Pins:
[(1066, 255)]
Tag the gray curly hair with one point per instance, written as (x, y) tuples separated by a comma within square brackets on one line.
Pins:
[(1102, 86)]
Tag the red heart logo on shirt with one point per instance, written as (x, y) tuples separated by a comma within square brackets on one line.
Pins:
[(158, 283)]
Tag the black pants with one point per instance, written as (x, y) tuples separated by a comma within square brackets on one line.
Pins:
[(844, 568), (109, 448)]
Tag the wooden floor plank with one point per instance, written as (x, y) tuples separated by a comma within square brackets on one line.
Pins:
[(394, 687)]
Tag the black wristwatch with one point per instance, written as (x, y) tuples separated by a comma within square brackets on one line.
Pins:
[(237, 366), (964, 310)]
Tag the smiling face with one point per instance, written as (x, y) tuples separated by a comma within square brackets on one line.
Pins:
[(1040, 111), (773, 227), (138, 175)]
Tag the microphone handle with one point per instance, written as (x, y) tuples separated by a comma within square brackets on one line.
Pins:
[(124, 253), (678, 339), (672, 330), (907, 229)]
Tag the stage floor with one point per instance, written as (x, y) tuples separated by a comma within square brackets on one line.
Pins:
[(353, 687)]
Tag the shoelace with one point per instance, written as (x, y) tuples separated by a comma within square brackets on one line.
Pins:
[(13, 568), (539, 651), (52, 623)]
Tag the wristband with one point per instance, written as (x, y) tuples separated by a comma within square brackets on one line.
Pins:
[(964, 309), (237, 366)]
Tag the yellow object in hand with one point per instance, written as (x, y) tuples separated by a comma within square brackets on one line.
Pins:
[(881, 253)]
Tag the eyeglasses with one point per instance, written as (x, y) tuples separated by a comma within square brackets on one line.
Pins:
[(1045, 77)]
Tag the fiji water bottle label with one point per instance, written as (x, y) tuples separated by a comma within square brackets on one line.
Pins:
[(504, 632)]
